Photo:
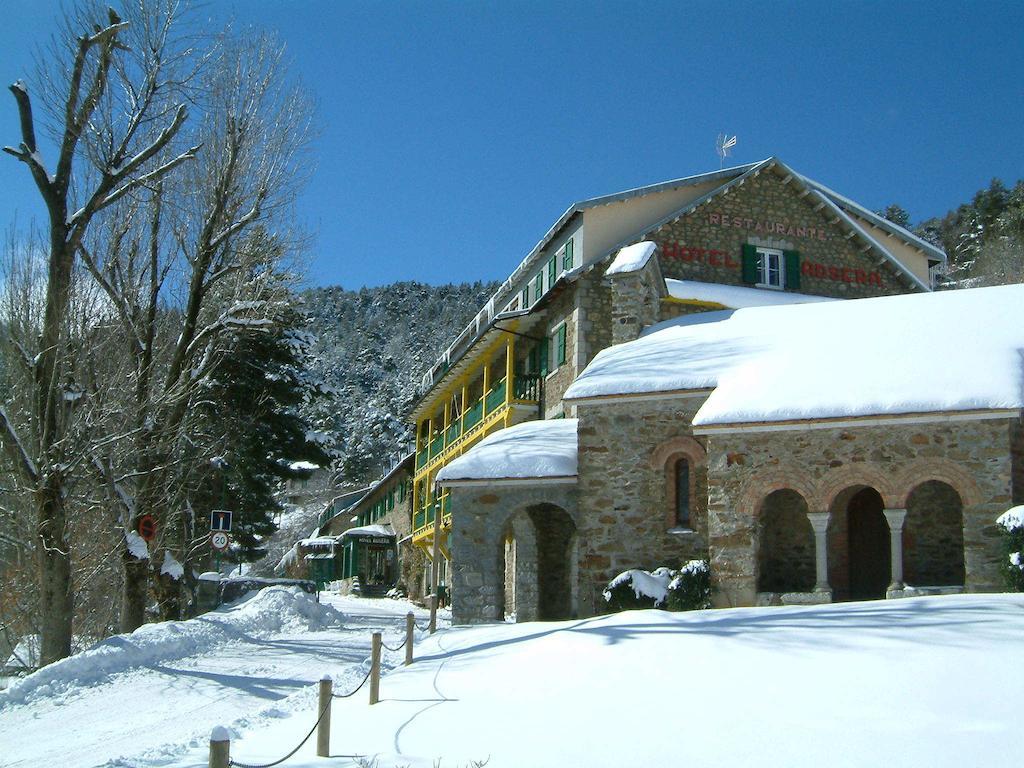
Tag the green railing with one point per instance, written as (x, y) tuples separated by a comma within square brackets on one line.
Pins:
[(454, 431), (436, 445), (474, 415), (421, 457), (496, 397), (420, 520), (527, 387)]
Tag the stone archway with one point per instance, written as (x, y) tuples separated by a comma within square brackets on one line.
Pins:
[(868, 554), (537, 556), (785, 544), (933, 536)]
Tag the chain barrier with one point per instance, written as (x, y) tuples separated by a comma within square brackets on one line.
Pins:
[(353, 693), (232, 761), (400, 647)]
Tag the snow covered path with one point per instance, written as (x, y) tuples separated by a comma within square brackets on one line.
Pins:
[(903, 683), (252, 660)]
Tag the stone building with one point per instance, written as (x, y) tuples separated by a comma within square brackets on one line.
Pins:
[(609, 267)]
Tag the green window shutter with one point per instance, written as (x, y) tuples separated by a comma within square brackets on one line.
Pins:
[(567, 256), (560, 341), (749, 264), (538, 285), (792, 259), (526, 297), (542, 356), (551, 271)]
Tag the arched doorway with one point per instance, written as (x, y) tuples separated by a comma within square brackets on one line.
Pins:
[(868, 546), (933, 537), (785, 544), (537, 557)]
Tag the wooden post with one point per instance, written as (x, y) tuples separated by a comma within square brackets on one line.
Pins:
[(375, 669), (323, 730), (410, 624), (220, 747)]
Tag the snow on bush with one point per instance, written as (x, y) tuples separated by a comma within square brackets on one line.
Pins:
[(1011, 523), (684, 590), (172, 567), (690, 589), (638, 589), (270, 611)]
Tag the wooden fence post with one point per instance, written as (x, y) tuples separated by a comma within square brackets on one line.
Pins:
[(375, 669), (410, 623), (433, 613), (323, 729), (220, 748)]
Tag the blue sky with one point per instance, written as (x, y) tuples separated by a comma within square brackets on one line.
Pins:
[(453, 134)]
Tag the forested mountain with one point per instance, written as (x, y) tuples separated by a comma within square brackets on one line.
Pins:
[(373, 346), (984, 238)]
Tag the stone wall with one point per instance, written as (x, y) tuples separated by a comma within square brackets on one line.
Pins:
[(478, 546), (785, 544), (625, 520), (821, 464), (562, 310), (706, 243), (933, 537)]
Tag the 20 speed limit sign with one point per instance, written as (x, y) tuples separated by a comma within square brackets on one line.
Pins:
[(219, 540)]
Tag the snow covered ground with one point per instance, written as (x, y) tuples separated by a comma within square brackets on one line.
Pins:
[(145, 699), (932, 681)]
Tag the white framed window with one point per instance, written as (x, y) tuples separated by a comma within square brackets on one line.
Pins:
[(771, 268)]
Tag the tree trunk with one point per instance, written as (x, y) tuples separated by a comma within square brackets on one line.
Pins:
[(133, 600), (54, 562)]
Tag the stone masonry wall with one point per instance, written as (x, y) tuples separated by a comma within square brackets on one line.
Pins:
[(743, 468), (478, 545), (562, 310), (635, 302), (623, 521), (706, 243)]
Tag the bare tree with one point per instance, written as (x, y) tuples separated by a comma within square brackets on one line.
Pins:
[(110, 143), (182, 248)]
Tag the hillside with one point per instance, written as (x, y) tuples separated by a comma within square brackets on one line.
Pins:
[(373, 346)]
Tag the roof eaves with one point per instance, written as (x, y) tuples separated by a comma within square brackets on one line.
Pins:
[(686, 181), (752, 170), (864, 235), (880, 221)]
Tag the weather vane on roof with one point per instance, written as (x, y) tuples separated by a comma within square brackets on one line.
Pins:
[(722, 146)]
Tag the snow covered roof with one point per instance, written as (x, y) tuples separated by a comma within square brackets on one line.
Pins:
[(632, 258), (735, 296), (369, 530), (915, 353), (534, 449)]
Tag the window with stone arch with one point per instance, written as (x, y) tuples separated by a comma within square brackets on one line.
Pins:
[(681, 462), (684, 489)]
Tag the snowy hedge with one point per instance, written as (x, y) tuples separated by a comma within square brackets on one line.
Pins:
[(1011, 523), (687, 589), (690, 589)]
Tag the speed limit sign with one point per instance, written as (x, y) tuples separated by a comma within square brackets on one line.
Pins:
[(219, 540)]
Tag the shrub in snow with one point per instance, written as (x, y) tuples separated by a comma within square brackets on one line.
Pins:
[(1011, 523), (636, 589), (690, 588)]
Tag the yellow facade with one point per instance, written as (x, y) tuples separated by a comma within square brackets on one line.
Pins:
[(490, 395)]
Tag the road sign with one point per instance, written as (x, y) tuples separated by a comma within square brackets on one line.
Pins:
[(146, 526), (220, 520), (219, 540)]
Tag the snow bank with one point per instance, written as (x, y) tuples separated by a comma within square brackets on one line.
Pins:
[(631, 258), (533, 449), (273, 610), (830, 359), (736, 296), (25, 654)]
